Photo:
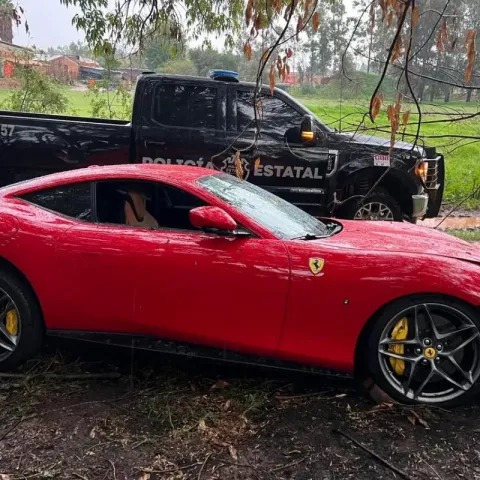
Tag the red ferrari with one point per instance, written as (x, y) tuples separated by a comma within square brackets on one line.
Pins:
[(192, 261)]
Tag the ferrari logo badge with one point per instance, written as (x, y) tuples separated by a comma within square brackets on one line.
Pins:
[(316, 265), (430, 353)]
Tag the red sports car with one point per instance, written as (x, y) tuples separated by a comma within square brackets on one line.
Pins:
[(192, 261)]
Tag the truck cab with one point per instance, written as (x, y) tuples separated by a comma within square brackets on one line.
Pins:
[(211, 121)]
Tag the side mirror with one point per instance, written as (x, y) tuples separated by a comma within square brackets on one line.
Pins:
[(307, 129), (207, 218)]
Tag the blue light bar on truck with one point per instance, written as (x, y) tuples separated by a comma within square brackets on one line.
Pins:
[(223, 75)]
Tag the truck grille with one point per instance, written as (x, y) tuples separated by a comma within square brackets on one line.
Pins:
[(432, 175)]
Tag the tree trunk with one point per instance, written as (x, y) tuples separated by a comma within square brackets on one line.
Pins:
[(447, 95), (469, 95)]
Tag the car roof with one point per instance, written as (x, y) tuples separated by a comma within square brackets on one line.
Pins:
[(174, 174)]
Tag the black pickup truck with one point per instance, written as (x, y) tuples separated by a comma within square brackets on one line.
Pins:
[(206, 121)]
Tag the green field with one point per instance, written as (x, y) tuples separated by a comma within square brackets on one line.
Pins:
[(462, 157)]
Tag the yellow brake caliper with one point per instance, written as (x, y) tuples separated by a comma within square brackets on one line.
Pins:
[(12, 322), (399, 332)]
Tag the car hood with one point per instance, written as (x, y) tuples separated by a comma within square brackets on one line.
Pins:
[(396, 237), (373, 140)]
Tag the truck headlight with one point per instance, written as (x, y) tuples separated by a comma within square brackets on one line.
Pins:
[(421, 170)]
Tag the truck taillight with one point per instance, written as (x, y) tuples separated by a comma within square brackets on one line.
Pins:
[(421, 170)]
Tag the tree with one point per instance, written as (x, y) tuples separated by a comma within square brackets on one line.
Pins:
[(208, 59), (6, 20)]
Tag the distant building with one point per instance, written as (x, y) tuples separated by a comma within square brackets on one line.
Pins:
[(73, 68)]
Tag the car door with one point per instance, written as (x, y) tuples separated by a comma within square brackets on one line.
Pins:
[(298, 173), (184, 125), (216, 290)]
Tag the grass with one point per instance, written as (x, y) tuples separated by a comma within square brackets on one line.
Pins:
[(462, 159), (468, 235)]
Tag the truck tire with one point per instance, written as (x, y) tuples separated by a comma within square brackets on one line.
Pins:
[(377, 206), (21, 323)]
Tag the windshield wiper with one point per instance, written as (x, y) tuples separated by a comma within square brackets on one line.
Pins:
[(310, 236)]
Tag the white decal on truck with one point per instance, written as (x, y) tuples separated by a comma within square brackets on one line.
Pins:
[(381, 161), (281, 171), (228, 166), (7, 130)]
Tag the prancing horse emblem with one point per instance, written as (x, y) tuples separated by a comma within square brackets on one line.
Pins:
[(316, 265)]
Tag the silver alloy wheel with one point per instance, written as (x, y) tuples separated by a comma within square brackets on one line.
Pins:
[(8, 341), (440, 353), (374, 211)]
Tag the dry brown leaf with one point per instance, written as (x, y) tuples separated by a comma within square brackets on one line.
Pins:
[(227, 405), (299, 27), (259, 21), (415, 16), (249, 12), (471, 54), (202, 426), (264, 56), (221, 383), (247, 50), (279, 66), (397, 49), (372, 17), (233, 452), (383, 7), (376, 105), (277, 5), (405, 118), (287, 69), (390, 18), (257, 162), (316, 21), (238, 165), (411, 420), (289, 52), (271, 78)]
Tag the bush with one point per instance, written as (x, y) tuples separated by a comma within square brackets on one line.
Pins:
[(38, 93)]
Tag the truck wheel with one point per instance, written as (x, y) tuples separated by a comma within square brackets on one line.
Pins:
[(21, 323), (377, 206)]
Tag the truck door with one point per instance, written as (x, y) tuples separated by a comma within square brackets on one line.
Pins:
[(183, 122), (296, 172)]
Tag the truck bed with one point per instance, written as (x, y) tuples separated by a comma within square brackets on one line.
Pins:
[(54, 143)]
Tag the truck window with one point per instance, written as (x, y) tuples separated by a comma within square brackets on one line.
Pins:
[(276, 116), (185, 106), (73, 200)]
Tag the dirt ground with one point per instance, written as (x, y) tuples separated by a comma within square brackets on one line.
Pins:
[(151, 418)]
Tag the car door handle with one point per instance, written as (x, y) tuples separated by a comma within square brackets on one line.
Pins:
[(154, 143)]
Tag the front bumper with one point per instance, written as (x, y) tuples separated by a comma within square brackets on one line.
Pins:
[(420, 205), (435, 185)]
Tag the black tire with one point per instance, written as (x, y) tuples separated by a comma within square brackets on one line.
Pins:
[(31, 330), (352, 207), (371, 370)]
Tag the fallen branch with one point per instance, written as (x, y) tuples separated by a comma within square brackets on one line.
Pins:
[(170, 470), (373, 454), (203, 465), (56, 376), (288, 465), (302, 395)]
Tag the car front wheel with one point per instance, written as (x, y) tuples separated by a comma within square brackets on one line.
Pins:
[(426, 350), (21, 324)]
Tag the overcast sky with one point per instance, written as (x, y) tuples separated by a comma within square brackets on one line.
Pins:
[(50, 24)]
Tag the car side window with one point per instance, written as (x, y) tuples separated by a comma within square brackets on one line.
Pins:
[(185, 106), (275, 115), (72, 200), (145, 205)]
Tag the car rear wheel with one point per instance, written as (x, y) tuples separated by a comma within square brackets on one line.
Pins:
[(426, 350), (21, 324)]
